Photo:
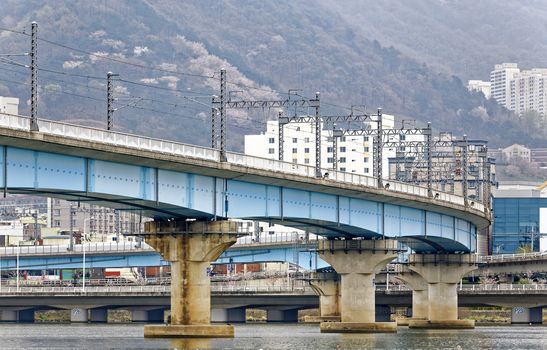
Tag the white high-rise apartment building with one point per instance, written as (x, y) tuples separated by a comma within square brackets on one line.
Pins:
[(528, 91), (354, 152), (479, 85), (500, 81)]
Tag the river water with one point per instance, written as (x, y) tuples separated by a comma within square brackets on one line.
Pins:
[(268, 336)]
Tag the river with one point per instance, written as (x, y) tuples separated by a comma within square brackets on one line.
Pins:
[(268, 336)]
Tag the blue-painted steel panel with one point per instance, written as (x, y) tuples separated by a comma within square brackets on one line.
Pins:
[(199, 196)]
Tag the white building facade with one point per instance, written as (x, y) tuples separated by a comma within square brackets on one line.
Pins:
[(500, 81), (355, 154), (480, 86), (9, 105), (517, 90)]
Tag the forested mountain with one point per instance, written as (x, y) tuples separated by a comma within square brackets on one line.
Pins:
[(361, 53)]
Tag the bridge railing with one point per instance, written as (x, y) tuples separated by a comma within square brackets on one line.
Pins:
[(247, 289), (512, 257), (92, 247), (281, 237), (177, 148)]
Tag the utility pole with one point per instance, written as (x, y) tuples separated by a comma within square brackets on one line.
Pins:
[(317, 137), (214, 133), (464, 170), (34, 77), (281, 136), (223, 115), (428, 145), (379, 149), (334, 149), (109, 100), (71, 237)]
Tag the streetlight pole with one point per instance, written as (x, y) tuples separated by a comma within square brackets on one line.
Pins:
[(83, 251), (17, 269)]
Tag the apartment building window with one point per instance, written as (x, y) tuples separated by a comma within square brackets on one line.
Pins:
[(307, 161), (366, 170), (306, 150), (57, 223), (365, 159), (342, 149), (307, 140), (343, 139), (366, 139), (366, 149), (271, 140), (330, 160), (342, 159), (271, 150), (329, 149), (295, 160), (342, 169), (57, 212), (294, 140), (295, 150)]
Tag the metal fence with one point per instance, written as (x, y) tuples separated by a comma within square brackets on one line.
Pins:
[(513, 257)]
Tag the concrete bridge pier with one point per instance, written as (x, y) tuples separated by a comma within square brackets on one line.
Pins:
[(8, 315), (147, 315), (277, 315), (357, 262), (79, 315), (229, 315), (190, 246), (442, 272), (420, 296), (525, 315), (327, 286)]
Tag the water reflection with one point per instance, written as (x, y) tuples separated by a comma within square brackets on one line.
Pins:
[(190, 343)]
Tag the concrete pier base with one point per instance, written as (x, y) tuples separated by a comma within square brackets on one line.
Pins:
[(189, 331), (357, 327), (319, 319), (442, 272), (406, 321), (357, 262), (442, 324), (190, 247)]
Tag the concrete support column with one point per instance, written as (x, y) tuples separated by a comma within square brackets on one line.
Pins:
[(79, 315), (358, 302), (8, 316), (357, 262), (524, 315), (420, 295), (282, 315), (233, 315), (442, 272), (98, 316), (190, 247), (443, 301), (327, 286), (420, 304)]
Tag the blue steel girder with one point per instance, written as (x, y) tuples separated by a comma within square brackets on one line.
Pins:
[(161, 194)]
